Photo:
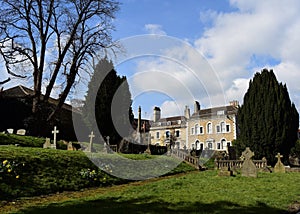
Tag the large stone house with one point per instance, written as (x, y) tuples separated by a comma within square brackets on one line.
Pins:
[(212, 128), (170, 130)]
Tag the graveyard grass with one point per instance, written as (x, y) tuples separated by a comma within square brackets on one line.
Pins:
[(194, 192)]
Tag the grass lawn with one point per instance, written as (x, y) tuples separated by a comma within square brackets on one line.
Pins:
[(194, 192)]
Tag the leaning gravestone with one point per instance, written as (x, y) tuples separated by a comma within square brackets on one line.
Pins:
[(279, 166), (248, 167), (21, 132)]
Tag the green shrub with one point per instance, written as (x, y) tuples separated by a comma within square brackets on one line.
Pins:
[(25, 141)]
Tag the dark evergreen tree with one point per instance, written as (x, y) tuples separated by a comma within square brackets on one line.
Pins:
[(267, 120), (105, 88)]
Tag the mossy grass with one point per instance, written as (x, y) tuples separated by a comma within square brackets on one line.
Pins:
[(195, 192)]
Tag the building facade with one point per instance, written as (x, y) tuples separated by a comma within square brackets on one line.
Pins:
[(212, 128), (170, 130)]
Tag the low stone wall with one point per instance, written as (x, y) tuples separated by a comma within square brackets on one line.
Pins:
[(237, 164)]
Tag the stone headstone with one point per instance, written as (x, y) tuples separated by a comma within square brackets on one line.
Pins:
[(70, 146), (21, 132), (225, 171), (10, 131), (47, 143), (279, 166), (248, 167)]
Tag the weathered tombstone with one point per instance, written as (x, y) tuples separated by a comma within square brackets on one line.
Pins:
[(70, 146), (21, 132), (225, 171), (106, 145), (279, 167), (248, 167), (10, 131), (91, 136), (54, 132), (47, 144)]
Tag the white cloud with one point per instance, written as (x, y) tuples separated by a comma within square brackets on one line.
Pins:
[(261, 28), (155, 29)]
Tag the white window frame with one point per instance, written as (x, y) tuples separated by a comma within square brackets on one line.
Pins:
[(209, 128)]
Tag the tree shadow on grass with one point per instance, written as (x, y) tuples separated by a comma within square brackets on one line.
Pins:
[(146, 205)]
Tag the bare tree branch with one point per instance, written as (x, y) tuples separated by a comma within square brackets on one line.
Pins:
[(57, 35)]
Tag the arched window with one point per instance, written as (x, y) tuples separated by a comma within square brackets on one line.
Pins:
[(197, 145), (209, 128), (223, 143)]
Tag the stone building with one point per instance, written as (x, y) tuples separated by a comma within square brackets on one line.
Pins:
[(169, 130), (212, 128)]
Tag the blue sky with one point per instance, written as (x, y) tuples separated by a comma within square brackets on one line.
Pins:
[(236, 38), (178, 51)]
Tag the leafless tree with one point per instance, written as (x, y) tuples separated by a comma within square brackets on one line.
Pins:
[(53, 41)]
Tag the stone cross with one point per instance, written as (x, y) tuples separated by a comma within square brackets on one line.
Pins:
[(278, 156), (91, 136), (279, 166), (248, 154), (54, 132)]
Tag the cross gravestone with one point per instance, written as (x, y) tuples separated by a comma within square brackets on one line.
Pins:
[(248, 167), (21, 132), (279, 166), (47, 144), (54, 132), (91, 136)]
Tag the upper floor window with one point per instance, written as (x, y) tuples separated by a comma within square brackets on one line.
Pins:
[(197, 129), (201, 129), (177, 133), (157, 135), (209, 128), (192, 131), (221, 112), (227, 128), (218, 129), (223, 127), (167, 134)]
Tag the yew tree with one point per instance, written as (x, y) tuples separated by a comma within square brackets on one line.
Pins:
[(268, 121)]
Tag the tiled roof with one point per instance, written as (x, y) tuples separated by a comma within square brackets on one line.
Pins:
[(21, 91)]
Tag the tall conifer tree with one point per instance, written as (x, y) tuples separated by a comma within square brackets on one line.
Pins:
[(98, 104), (267, 120)]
